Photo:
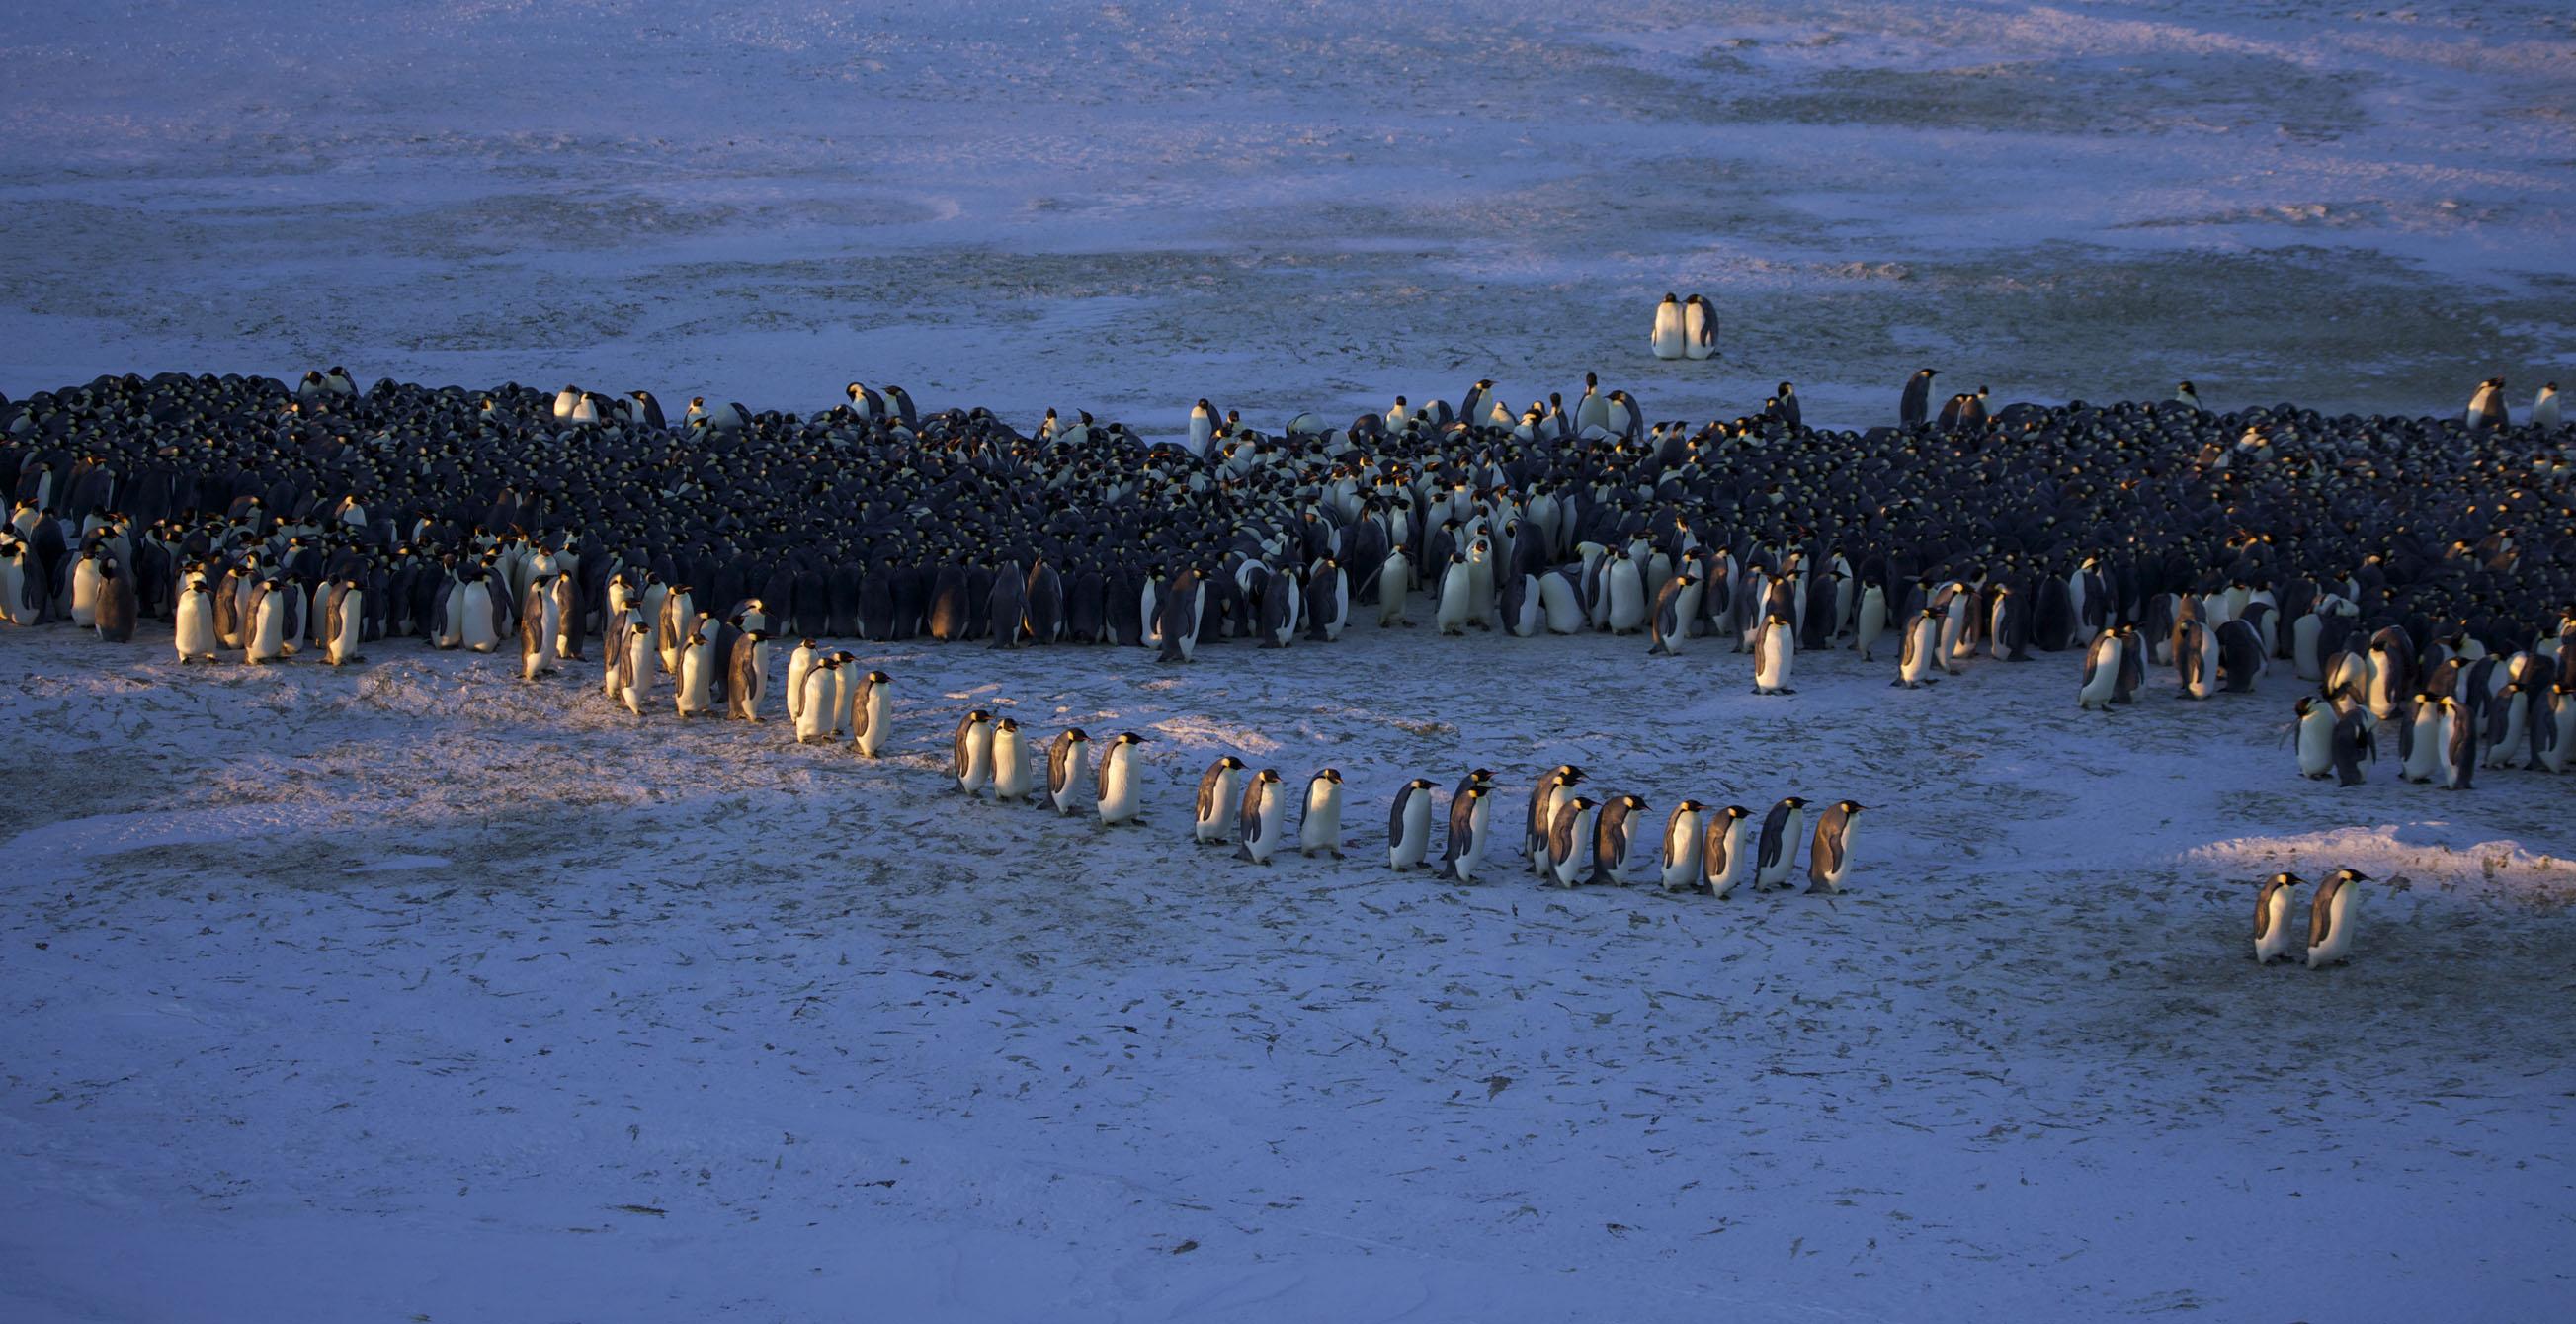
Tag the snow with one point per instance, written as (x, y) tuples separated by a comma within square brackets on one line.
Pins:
[(424, 991)]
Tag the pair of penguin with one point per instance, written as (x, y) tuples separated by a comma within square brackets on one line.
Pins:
[(992, 753), (2487, 409), (2333, 739), (1251, 809), (1684, 330), (2331, 916)]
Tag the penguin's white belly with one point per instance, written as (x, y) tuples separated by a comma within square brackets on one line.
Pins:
[(1772, 674), (872, 736), (1682, 846), (1564, 613), (1010, 768), (692, 698), (1627, 593), (1413, 840), (2316, 745)]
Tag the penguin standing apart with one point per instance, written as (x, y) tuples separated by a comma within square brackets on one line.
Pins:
[(747, 675), (1614, 833), (1922, 644), (2544, 407), (1915, 406), (1220, 796), (2486, 410), (1723, 857), (1671, 334), (1682, 845), (1262, 818), (2330, 919), (195, 636), (1699, 327), (970, 752), (1010, 763), (1116, 790), (1774, 645), (1470, 825), (1408, 825), (1777, 852), (1319, 827), (1676, 606), (868, 713), (2272, 918), (1069, 784), (1829, 856), (1568, 838)]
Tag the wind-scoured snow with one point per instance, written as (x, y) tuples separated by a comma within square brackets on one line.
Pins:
[(416, 990)]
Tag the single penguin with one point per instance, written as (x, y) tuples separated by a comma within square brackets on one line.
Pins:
[(800, 663), (2189, 397), (1670, 334), (1069, 784), (1777, 852), (1408, 825), (694, 693), (117, 605), (1220, 796), (635, 673), (2330, 918), (814, 711), (1470, 824), (1683, 847), (1319, 826), (868, 713), (970, 752), (1262, 817), (1010, 758), (2101, 672), (1614, 833), (1915, 407), (2272, 918), (195, 636), (1723, 859), (2544, 407), (1829, 855), (1699, 327), (1914, 661), (747, 675), (2486, 410), (1115, 792), (2353, 741), (2313, 724), (1552, 788), (1774, 645)]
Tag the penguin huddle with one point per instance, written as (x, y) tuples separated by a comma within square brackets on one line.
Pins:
[(2332, 913)]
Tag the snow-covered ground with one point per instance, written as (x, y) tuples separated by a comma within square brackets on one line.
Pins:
[(416, 992), (1127, 206)]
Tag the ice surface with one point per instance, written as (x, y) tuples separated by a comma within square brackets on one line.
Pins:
[(1125, 207), (420, 991)]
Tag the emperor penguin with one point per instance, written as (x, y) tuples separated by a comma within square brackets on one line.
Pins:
[(1116, 791), (1394, 581), (1773, 648), (1777, 851), (1671, 334), (1915, 407), (2101, 672), (1614, 834), (195, 636), (1470, 822), (814, 711), (2558, 746), (800, 664), (1699, 327), (2196, 658), (538, 629), (1458, 808), (117, 605), (694, 692), (1203, 420), (2331, 916), (2544, 407), (2314, 724), (1220, 796), (343, 622), (85, 580), (635, 673), (2486, 410), (1552, 789), (2459, 744), (1683, 848), (2420, 739), (1457, 597), (970, 752), (264, 636), (2272, 918), (1319, 827), (1408, 825), (1262, 818), (868, 713), (1676, 606), (2354, 740), (1914, 661), (2188, 396), (1568, 838), (1829, 855), (478, 632), (747, 675), (1723, 857), (1069, 784), (1871, 621), (1010, 763)]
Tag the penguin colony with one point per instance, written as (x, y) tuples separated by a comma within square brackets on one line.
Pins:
[(2421, 571)]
